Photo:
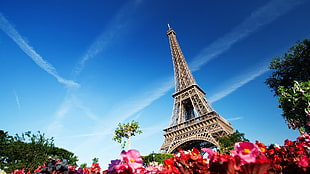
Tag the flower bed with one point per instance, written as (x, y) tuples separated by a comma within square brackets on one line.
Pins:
[(246, 158)]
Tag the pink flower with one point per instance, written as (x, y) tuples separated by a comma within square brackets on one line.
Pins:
[(248, 152), (153, 169), (304, 162), (209, 151), (132, 158), (130, 162)]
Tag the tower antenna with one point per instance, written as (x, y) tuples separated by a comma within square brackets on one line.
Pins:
[(169, 26)]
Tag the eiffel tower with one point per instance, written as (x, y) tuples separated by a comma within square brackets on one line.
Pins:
[(194, 123)]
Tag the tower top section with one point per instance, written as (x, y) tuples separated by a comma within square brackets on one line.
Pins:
[(182, 74), (170, 31)]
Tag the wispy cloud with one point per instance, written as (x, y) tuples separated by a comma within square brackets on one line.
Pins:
[(56, 126), (259, 18), (86, 110), (133, 105), (117, 24), (149, 131), (126, 109), (238, 82), (234, 119), (69, 105), (8, 29), (17, 100), (91, 134)]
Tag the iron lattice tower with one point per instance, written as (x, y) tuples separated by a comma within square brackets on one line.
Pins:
[(194, 123)]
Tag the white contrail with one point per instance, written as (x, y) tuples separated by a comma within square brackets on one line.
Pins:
[(234, 119), (259, 18), (92, 134), (23, 45), (138, 103), (239, 82), (17, 100), (125, 110), (69, 104), (56, 126), (119, 22)]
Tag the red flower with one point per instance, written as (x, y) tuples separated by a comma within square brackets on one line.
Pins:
[(95, 168), (261, 147), (195, 154), (288, 143), (169, 167)]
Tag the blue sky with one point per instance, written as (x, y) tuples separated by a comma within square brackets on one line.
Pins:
[(75, 69)]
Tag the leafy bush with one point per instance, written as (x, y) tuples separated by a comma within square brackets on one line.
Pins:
[(295, 103), (155, 157)]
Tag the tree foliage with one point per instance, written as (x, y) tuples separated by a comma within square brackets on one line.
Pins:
[(295, 103), (293, 65), (29, 151), (227, 143), (83, 165), (290, 82), (95, 160), (155, 157), (126, 131)]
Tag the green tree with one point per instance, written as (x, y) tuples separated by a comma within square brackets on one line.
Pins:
[(61, 153), (293, 65), (29, 151), (126, 131), (83, 165), (227, 143), (155, 157), (291, 72), (95, 160), (295, 103), (5, 139)]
